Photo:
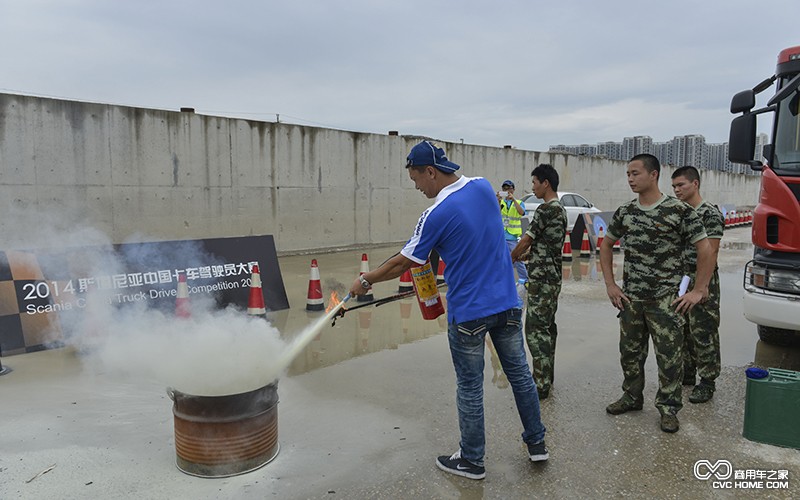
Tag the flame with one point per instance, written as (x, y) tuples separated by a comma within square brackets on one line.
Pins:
[(333, 302)]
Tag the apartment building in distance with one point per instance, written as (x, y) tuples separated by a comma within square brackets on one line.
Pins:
[(681, 150)]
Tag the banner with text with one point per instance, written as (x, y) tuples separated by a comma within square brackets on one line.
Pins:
[(41, 291)]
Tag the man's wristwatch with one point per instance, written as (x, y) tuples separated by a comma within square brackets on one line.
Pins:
[(364, 283)]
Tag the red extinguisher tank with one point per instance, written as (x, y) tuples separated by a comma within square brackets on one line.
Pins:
[(430, 303)]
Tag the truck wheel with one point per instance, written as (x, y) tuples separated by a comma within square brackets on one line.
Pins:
[(779, 336)]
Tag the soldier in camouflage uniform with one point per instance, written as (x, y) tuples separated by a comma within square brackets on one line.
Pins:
[(545, 239), (656, 229), (701, 337)]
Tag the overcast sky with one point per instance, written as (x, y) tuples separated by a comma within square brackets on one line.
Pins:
[(525, 73)]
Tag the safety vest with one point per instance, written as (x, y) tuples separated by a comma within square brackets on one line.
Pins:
[(512, 220)]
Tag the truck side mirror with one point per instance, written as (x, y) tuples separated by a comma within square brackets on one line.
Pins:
[(742, 139), (743, 102)]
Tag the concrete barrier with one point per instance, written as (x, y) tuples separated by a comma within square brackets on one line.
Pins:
[(151, 174)]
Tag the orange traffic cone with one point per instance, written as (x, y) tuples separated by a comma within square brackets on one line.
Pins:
[(586, 250), (406, 285), (440, 272), (367, 297), (749, 216), (600, 236), (566, 251), (727, 220), (182, 307), (314, 302), (255, 305), (617, 246)]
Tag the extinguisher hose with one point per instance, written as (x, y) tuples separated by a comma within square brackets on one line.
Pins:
[(378, 302)]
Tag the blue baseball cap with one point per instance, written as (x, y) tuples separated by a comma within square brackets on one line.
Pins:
[(425, 153), (507, 183)]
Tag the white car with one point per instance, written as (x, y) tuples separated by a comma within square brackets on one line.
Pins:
[(574, 203)]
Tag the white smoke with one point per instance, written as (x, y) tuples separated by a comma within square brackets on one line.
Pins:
[(209, 354), (214, 352)]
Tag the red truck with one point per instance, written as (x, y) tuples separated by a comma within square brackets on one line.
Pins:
[(772, 278)]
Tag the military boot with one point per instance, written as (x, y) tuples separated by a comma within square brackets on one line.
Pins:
[(623, 405), (701, 393), (669, 423)]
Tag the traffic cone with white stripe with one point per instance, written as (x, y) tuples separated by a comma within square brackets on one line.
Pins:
[(566, 251), (314, 302), (440, 272), (600, 236), (406, 283), (367, 297), (617, 246), (182, 307), (586, 249), (255, 304)]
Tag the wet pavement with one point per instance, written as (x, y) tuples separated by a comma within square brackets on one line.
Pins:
[(367, 407)]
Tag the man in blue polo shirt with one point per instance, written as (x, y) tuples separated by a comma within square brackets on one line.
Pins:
[(465, 227)]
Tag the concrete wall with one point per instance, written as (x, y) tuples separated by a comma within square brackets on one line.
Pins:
[(158, 175)]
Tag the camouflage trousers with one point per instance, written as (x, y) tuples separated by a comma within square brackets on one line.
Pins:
[(701, 337), (639, 322), (541, 331)]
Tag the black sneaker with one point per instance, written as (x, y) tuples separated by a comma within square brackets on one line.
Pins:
[(538, 452), (460, 466)]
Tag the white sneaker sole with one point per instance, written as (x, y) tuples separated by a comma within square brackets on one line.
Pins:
[(457, 472), (539, 458)]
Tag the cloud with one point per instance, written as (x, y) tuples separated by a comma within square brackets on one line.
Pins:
[(471, 70)]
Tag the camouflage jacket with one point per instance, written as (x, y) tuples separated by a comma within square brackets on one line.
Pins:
[(714, 224), (548, 228), (655, 239)]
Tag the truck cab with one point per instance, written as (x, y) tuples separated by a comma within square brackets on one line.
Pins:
[(772, 278)]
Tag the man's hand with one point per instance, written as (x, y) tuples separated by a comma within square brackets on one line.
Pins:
[(356, 289), (617, 297), (521, 250), (689, 300)]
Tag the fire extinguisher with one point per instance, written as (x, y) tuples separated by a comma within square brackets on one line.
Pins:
[(430, 303)]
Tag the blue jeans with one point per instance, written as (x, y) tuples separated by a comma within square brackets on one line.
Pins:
[(467, 349), (522, 271)]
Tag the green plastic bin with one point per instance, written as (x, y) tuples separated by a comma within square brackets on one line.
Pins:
[(772, 409)]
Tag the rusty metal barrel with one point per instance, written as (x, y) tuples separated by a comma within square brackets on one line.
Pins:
[(221, 436)]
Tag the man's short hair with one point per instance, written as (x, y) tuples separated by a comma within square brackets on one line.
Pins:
[(649, 161), (689, 172), (546, 172)]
